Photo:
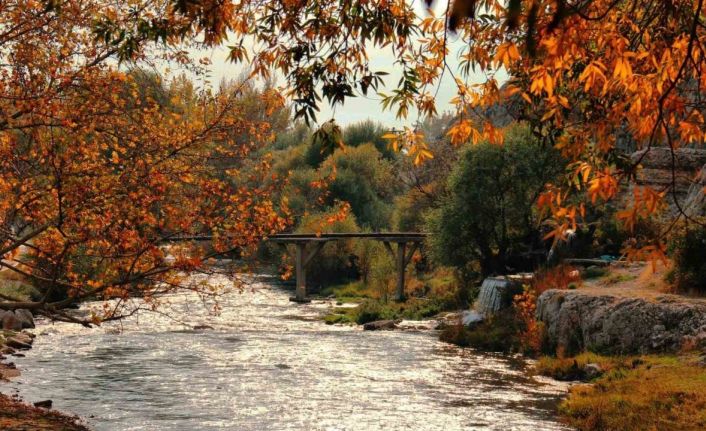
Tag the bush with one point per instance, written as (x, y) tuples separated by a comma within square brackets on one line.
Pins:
[(498, 333), (689, 272)]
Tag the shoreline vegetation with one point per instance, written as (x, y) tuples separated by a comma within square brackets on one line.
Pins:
[(662, 391)]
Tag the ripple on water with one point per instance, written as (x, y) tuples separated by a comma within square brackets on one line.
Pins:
[(269, 364)]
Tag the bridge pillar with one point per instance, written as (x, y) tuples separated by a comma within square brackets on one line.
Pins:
[(401, 264), (300, 267), (302, 261)]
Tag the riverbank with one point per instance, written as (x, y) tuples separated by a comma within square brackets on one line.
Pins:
[(16, 414), (638, 350)]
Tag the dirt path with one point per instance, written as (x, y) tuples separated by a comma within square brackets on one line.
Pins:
[(635, 280)]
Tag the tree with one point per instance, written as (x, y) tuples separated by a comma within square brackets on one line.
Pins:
[(585, 73), (96, 175), (489, 215), (364, 179)]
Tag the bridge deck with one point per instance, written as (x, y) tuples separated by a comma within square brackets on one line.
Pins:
[(381, 236)]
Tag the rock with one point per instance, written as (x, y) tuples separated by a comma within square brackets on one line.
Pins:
[(16, 343), (702, 360), (7, 350), (283, 366), (380, 325), (46, 404), (471, 318), (25, 317), (10, 322), (592, 370), (202, 327), (575, 321)]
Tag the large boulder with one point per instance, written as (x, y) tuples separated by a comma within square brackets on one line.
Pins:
[(380, 325), (10, 322), (25, 317), (575, 321), (680, 172)]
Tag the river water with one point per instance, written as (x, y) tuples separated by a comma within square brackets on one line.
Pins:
[(270, 364)]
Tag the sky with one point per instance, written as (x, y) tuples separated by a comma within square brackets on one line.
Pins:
[(359, 108)]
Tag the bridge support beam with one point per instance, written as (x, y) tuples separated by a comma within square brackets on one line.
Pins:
[(402, 256), (302, 260)]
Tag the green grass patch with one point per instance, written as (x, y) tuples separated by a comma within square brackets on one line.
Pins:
[(594, 272), (14, 286), (370, 310), (349, 292), (498, 333)]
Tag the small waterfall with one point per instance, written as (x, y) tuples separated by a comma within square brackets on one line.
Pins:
[(493, 293)]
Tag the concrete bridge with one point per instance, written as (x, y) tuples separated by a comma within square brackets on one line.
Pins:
[(308, 246)]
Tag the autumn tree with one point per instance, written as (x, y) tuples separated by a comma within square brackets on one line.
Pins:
[(96, 175), (585, 73)]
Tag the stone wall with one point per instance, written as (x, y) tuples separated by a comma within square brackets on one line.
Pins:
[(575, 321), (688, 179)]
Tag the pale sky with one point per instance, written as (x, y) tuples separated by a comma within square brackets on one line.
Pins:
[(360, 108)]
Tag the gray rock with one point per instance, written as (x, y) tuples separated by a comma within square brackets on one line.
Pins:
[(46, 404), (702, 360), (25, 317), (471, 318), (10, 322), (16, 343), (592, 371), (380, 325), (202, 327), (575, 321)]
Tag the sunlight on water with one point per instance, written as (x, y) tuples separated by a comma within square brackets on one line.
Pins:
[(271, 365)]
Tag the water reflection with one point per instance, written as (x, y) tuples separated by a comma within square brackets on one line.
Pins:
[(268, 364)]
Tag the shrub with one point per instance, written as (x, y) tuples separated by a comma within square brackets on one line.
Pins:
[(557, 277), (689, 272), (368, 132), (498, 333)]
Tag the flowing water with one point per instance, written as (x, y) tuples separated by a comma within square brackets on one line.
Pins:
[(270, 364)]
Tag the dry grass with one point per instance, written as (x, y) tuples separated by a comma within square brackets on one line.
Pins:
[(634, 393), (18, 416)]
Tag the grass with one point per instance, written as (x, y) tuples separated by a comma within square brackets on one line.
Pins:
[(634, 393), (499, 333), (436, 293), (620, 278), (14, 286), (349, 292), (370, 310)]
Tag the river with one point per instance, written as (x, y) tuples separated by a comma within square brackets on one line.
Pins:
[(270, 364)]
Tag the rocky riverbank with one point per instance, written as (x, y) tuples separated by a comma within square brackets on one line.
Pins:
[(15, 414), (575, 321)]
